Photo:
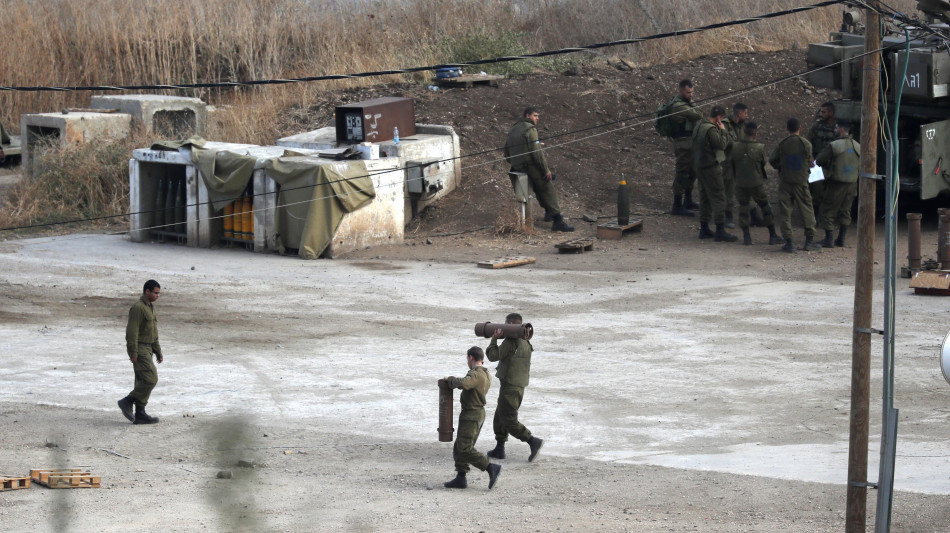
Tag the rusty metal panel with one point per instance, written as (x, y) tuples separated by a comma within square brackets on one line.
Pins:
[(375, 120)]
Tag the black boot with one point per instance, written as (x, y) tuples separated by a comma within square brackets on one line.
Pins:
[(688, 202), (535, 444), (458, 483), (730, 223), (493, 472), (678, 208), (773, 238), (560, 225), (498, 452), (746, 237), (811, 245), (827, 242), (789, 246), (125, 404), (141, 417), (704, 231), (842, 231), (722, 236)]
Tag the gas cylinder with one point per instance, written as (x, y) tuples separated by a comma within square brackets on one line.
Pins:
[(181, 225), (623, 203), (160, 205), (229, 221), (237, 219)]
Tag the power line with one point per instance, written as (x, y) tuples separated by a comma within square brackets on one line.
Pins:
[(707, 101), (504, 59)]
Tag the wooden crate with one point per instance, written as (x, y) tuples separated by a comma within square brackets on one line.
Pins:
[(615, 232), (65, 478), (14, 483), (506, 262), (575, 246)]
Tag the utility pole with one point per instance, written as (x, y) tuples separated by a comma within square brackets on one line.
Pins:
[(856, 516)]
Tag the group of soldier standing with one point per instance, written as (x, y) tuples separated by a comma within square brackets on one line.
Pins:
[(723, 155)]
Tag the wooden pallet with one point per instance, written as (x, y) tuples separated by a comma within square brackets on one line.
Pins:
[(65, 478), (506, 262), (469, 80), (615, 232), (575, 246), (14, 483)]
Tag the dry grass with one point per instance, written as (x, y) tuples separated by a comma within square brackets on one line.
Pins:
[(76, 182), (86, 42), (125, 42)]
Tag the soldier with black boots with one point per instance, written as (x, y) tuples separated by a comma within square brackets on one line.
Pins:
[(524, 153), (842, 158), (685, 116)]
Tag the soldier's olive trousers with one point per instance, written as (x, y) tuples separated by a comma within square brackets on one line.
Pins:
[(146, 375), (712, 195), (729, 186), (544, 189), (506, 414), (835, 208), (817, 190), (464, 452), (745, 196), (685, 177), (789, 197)]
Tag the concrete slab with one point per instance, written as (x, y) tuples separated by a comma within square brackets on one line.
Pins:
[(69, 128), (172, 117)]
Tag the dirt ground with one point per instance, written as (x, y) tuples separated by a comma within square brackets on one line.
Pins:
[(679, 384)]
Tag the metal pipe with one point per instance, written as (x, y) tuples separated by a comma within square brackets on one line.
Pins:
[(943, 239), (913, 242), (508, 331), (445, 412)]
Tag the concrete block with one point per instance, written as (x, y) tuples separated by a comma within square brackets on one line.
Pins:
[(62, 129), (170, 117), (430, 143), (380, 222)]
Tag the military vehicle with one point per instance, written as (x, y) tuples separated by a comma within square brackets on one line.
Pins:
[(924, 117), (9, 147)]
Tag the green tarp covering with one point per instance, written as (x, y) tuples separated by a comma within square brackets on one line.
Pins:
[(225, 174), (313, 198)]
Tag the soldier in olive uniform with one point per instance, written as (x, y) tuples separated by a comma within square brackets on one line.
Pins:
[(792, 158), (524, 153), (141, 341), (685, 115), (843, 158), (709, 144), (820, 135), (746, 160), (514, 367), (735, 129), (474, 387)]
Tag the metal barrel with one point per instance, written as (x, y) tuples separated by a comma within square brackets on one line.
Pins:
[(943, 239), (445, 412), (508, 331), (913, 241)]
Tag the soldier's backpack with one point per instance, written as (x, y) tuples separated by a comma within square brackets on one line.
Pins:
[(663, 122)]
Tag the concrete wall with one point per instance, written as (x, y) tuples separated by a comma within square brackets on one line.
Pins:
[(172, 117), (431, 142), (68, 128)]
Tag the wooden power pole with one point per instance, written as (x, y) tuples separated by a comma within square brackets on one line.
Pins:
[(856, 521)]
